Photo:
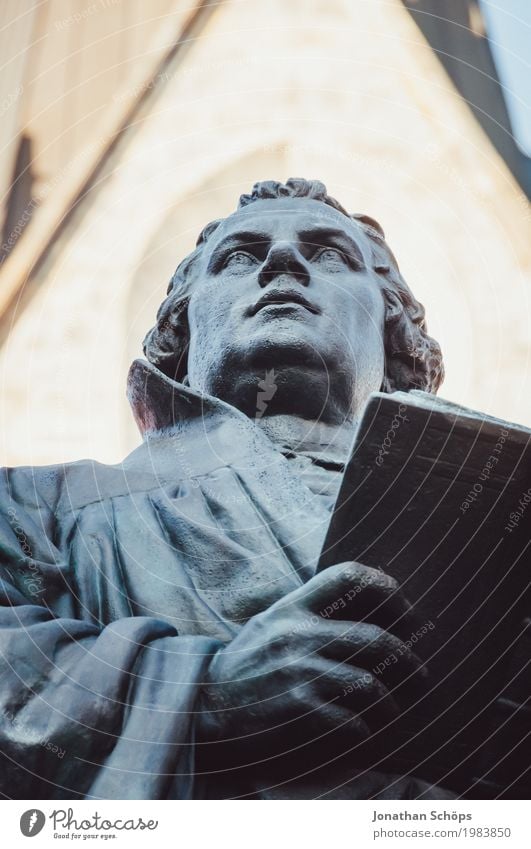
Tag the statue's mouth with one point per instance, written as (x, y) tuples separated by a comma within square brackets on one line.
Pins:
[(281, 298)]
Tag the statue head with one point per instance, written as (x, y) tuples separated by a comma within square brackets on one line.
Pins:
[(294, 284)]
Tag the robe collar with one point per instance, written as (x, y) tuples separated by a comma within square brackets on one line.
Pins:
[(162, 407), (160, 404)]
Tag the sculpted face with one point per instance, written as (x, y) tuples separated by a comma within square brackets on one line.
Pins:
[(287, 285)]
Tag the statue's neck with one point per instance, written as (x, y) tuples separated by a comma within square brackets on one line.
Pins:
[(302, 436)]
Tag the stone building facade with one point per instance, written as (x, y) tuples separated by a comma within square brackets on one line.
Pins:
[(349, 93)]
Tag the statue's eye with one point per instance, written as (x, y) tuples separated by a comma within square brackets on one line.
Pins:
[(240, 261), (331, 257)]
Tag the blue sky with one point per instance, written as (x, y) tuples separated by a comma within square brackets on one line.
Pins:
[(508, 25)]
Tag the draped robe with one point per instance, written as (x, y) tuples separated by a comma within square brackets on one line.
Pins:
[(118, 583)]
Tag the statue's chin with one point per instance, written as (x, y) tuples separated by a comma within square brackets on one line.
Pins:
[(299, 381), (284, 344)]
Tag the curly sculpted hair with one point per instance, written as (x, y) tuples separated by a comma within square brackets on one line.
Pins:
[(413, 360)]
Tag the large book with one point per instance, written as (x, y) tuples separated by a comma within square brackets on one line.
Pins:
[(439, 497)]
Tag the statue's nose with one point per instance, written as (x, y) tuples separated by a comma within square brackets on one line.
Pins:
[(284, 258)]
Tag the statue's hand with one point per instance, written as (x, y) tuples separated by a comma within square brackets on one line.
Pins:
[(327, 657)]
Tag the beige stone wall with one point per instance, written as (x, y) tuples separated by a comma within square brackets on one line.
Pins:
[(339, 90), (64, 64)]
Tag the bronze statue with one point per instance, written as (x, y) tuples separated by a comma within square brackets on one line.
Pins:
[(163, 625)]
